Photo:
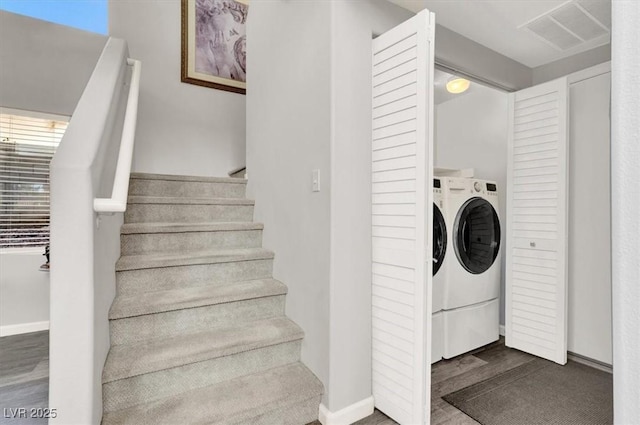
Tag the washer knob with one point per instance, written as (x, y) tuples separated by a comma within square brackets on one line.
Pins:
[(477, 186)]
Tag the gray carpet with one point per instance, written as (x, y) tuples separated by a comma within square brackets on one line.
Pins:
[(198, 328), (540, 392)]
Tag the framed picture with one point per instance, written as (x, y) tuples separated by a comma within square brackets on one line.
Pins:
[(214, 44)]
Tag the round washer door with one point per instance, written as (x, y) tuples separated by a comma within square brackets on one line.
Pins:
[(477, 235), (439, 239)]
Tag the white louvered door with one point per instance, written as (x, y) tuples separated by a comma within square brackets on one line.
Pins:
[(402, 172), (537, 201)]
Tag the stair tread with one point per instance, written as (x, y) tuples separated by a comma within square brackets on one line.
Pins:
[(169, 227), (155, 260), (187, 200), (173, 177), (175, 299), (239, 399), (148, 356)]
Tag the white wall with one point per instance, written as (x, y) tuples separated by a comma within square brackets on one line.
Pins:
[(471, 132), (84, 246), (625, 175), (44, 67), (288, 135), (354, 24), (182, 128), (24, 291), (571, 64), (314, 111), (589, 264)]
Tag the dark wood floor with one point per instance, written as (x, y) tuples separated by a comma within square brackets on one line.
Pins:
[(24, 375), (452, 375), (448, 376)]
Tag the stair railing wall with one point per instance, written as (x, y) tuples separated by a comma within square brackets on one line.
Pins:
[(85, 245)]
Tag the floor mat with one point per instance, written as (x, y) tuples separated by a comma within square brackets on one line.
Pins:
[(540, 392)]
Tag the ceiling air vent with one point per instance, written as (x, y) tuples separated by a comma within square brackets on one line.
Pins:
[(573, 23)]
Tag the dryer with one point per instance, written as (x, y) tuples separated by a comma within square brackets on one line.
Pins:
[(440, 239), (471, 289)]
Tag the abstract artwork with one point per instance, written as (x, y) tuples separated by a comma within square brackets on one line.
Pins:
[(214, 44)]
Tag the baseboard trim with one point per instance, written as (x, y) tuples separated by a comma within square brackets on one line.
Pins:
[(596, 364), (23, 328), (348, 415), (501, 330)]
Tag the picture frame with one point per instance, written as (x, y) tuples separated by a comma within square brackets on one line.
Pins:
[(214, 44)]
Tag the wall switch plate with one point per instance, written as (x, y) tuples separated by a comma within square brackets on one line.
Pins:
[(315, 181)]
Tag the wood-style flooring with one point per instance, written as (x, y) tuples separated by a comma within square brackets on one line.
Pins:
[(448, 376), (24, 375), (452, 375)]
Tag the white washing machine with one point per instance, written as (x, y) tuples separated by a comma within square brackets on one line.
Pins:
[(471, 289), (439, 254)]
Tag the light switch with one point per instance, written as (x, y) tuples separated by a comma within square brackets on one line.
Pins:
[(315, 181)]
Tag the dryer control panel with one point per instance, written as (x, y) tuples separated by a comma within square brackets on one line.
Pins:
[(437, 186), (486, 188), (460, 186), (492, 189)]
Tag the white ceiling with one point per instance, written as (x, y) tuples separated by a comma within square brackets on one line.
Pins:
[(496, 24)]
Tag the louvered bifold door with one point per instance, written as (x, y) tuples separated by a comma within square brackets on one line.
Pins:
[(536, 280), (402, 147)]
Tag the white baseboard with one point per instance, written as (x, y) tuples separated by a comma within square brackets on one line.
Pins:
[(501, 331), (348, 415), (23, 328), (605, 367)]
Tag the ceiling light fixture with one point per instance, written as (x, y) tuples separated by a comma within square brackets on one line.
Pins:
[(457, 85)]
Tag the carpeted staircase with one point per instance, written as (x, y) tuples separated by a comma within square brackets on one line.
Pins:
[(198, 331)]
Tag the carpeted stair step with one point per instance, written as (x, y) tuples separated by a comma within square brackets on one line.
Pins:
[(145, 238), (175, 312), (153, 369), (175, 299), (186, 186), (129, 360), (216, 313), (151, 261), (288, 394), (157, 272), (147, 209), (147, 387), (287, 414)]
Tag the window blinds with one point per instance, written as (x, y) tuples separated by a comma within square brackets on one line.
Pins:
[(27, 145)]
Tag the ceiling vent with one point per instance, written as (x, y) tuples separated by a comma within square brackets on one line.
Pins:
[(573, 23)]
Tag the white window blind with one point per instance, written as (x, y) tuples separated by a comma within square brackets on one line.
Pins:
[(27, 145)]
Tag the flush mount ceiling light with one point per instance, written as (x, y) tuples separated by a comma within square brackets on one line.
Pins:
[(457, 85)]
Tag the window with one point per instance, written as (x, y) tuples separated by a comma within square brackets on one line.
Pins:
[(85, 15), (27, 144)]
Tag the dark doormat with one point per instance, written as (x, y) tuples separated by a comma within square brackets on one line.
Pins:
[(540, 392)]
